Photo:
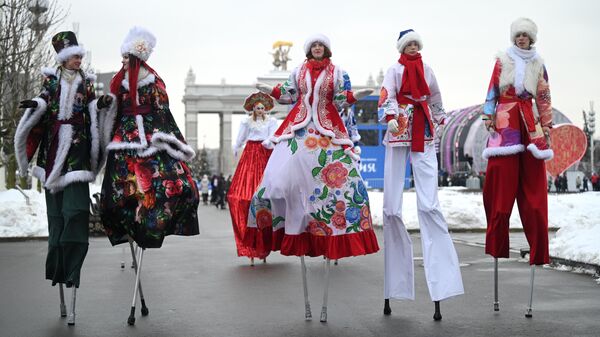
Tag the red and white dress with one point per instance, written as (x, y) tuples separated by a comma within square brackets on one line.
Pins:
[(312, 200), (248, 175)]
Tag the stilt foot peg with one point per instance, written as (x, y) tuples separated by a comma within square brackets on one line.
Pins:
[(496, 306), (307, 313), (529, 313), (144, 308), (71, 319), (437, 315), (324, 314), (387, 310), (131, 318)]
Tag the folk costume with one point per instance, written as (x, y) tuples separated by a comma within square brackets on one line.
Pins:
[(62, 126), (312, 197), (516, 150), (410, 95), (249, 172), (517, 147), (148, 191), (312, 200)]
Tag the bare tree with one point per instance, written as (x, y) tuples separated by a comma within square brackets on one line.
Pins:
[(24, 49)]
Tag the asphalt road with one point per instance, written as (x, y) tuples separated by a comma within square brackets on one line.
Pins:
[(197, 286)]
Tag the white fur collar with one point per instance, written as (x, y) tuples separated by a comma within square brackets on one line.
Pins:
[(533, 72), (53, 71), (141, 82)]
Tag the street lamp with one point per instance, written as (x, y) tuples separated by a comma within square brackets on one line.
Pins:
[(38, 8), (589, 122), (592, 129)]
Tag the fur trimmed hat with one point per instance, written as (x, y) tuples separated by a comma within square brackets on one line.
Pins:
[(139, 42), (523, 25), (65, 44), (407, 36), (316, 38)]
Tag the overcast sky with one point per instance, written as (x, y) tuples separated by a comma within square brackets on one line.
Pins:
[(232, 40)]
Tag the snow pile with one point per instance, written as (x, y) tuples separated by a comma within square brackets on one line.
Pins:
[(577, 242), (17, 219)]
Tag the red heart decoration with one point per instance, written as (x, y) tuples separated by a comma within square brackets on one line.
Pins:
[(569, 145)]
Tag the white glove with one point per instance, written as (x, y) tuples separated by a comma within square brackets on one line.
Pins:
[(268, 144), (393, 126), (267, 89), (357, 150), (358, 94)]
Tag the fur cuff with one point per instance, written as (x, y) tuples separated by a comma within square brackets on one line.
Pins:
[(502, 151), (173, 146), (540, 154), (30, 118)]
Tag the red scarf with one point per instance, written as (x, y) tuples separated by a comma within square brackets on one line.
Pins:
[(134, 69), (315, 67), (413, 78)]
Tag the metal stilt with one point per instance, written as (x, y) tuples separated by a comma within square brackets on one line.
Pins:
[(387, 310), (135, 269), (325, 292), (437, 315), (251, 262), (496, 302), (528, 312), (63, 307), (131, 319), (307, 313), (71, 318)]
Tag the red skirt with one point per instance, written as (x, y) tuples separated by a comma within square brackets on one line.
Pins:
[(246, 179)]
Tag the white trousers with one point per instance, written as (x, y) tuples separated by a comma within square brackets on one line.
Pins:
[(442, 269)]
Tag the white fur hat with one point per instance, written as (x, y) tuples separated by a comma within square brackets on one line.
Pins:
[(316, 38), (407, 36), (139, 42), (523, 25)]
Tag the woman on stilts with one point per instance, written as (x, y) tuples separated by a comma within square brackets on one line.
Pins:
[(413, 107), (254, 130), (518, 145), (61, 124), (148, 191), (312, 200)]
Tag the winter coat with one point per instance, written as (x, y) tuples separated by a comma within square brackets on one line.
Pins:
[(64, 131)]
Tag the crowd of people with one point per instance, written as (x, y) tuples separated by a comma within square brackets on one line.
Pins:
[(214, 190)]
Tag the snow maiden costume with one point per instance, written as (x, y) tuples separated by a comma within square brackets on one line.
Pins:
[(312, 200), (412, 103), (249, 172), (148, 191), (517, 148), (62, 124), (312, 195)]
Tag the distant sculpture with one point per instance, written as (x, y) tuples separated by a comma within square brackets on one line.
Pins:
[(280, 54)]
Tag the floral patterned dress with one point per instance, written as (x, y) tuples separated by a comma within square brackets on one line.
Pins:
[(312, 200), (148, 191)]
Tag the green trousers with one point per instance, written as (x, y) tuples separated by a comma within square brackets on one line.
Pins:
[(68, 233)]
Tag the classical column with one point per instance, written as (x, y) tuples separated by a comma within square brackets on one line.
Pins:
[(191, 129), (225, 150)]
